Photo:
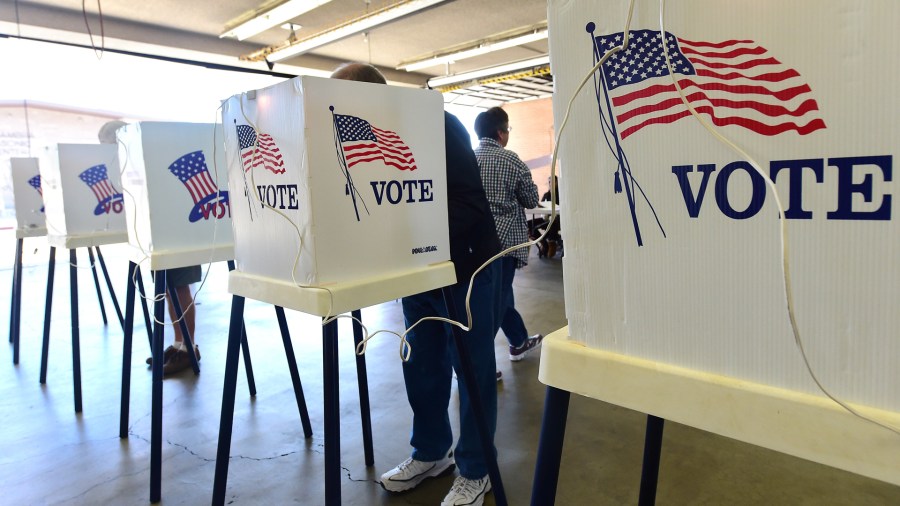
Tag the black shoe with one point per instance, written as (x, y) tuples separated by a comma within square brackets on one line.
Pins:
[(167, 354), (180, 361)]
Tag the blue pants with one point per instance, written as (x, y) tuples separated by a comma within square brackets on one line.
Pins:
[(428, 373), (510, 319)]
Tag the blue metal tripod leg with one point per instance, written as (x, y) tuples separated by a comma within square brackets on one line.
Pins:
[(76, 343), (126, 353), (157, 387), (109, 286), (45, 348), (97, 284), (226, 419), (15, 315), (295, 374), (550, 445), (650, 468), (363, 382)]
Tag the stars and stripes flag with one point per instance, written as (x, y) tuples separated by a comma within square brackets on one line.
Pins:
[(258, 150), (35, 183), (732, 82), (192, 171), (364, 142), (97, 179)]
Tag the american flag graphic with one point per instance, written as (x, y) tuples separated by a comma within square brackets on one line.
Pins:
[(97, 178), (363, 142), (192, 171), (733, 82), (35, 183), (264, 152)]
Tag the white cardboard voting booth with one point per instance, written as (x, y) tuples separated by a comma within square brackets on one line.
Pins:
[(673, 281), (176, 199), (83, 197), (28, 197), (337, 184)]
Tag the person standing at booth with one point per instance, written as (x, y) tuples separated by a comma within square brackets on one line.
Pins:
[(428, 373), (175, 357), (510, 190)]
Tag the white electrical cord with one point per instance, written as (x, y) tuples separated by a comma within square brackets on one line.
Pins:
[(785, 263)]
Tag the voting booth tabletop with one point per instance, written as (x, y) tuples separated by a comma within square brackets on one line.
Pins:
[(806, 426)]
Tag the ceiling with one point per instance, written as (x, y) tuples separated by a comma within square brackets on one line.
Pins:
[(190, 29)]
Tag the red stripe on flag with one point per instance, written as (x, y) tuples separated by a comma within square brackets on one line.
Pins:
[(756, 126)]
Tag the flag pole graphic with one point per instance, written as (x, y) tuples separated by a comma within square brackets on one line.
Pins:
[(350, 187), (244, 177), (624, 167)]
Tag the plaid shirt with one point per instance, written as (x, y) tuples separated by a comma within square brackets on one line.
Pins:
[(510, 189)]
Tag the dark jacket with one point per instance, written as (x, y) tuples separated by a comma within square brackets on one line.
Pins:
[(473, 236)]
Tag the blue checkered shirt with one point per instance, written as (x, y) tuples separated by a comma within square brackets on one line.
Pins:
[(510, 189)]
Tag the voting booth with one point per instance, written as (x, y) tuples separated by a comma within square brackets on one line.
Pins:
[(675, 294), (28, 197), (177, 202), (333, 183), (339, 202), (83, 196)]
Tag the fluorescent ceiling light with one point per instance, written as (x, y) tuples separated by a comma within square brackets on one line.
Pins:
[(481, 49), (274, 17), (361, 24), (491, 71)]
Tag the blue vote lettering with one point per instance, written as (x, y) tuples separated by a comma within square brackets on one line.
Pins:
[(409, 191), (855, 175)]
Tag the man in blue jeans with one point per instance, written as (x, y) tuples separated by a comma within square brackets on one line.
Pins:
[(428, 373), (510, 190)]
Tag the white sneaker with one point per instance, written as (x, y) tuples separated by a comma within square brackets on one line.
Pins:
[(411, 472), (466, 492)]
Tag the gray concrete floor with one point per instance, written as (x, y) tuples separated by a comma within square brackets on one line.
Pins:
[(50, 455)]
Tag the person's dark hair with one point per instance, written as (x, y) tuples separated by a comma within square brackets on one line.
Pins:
[(490, 121), (354, 71)]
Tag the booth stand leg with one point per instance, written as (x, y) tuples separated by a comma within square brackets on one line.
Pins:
[(549, 455), (45, 347), (245, 348), (650, 468), (15, 311), (226, 420), (76, 343), (157, 387), (477, 406), (126, 353), (295, 374), (143, 293), (248, 365), (363, 382), (332, 403), (97, 284), (109, 286)]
